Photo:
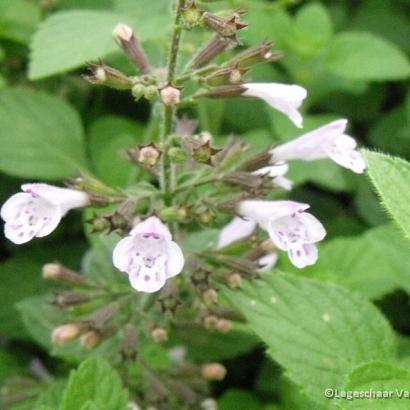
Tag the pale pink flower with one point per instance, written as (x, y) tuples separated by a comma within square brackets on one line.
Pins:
[(148, 255), (37, 210), (285, 98), (328, 141), (290, 228)]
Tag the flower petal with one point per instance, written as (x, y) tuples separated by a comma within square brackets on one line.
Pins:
[(237, 229), (147, 280), (303, 255), (267, 262), (273, 170), (343, 152), (284, 98), (152, 225), (309, 146), (122, 254), (12, 206), (175, 260)]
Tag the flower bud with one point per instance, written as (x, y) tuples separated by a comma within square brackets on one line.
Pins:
[(211, 322), (99, 224), (65, 333), (55, 271), (90, 339), (159, 335), (146, 156), (65, 299), (235, 281), (260, 53), (150, 92), (175, 214), (170, 95), (210, 296), (132, 47), (178, 155), (191, 15), (138, 91), (223, 325), (215, 46), (213, 371), (102, 74)]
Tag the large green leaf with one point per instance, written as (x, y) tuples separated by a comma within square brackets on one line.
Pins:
[(318, 332), (96, 382), (41, 136), (374, 263), (378, 377), (68, 39), (365, 56), (391, 178)]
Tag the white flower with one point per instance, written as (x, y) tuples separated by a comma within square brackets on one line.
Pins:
[(328, 141), (290, 228), (277, 173), (37, 210), (240, 228), (148, 255), (284, 98)]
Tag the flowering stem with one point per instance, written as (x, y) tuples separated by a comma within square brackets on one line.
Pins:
[(169, 110)]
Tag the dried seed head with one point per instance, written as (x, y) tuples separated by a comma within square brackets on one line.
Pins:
[(224, 27), (213, 371), (191, 14), (65, 333), (211, 49)]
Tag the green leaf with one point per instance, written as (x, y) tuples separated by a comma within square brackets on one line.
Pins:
[(391, 176), (318, 332), (96, 382), (234, 399), (110, 136), (374, 263), (18, 19), (365, 56), (68, 39), (41, 136), (378, 377)]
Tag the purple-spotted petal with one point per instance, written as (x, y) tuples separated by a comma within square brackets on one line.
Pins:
[(152, 225), (175, 260), (147, 279), (237, 229), (302, 255)]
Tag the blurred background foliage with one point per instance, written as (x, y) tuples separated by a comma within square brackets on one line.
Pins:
[(351, 55)]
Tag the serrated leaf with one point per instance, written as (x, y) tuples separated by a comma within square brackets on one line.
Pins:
[(94, 384), (391, 178), (41, 136), (68, 39), (378, 377), (318, 332), (374, 263), (368, 57)]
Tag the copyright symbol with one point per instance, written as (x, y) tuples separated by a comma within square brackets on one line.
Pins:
[(329, 393)]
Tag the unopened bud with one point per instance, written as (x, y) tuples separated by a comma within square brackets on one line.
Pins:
[(149, 156), (191, 15), (129, 43), (177, 154), (235, 281), (159, 335), (138, 91), (205, 215), (55, 271), (65, 299), (211, 322), (99, 224), (175, 214), (108, 76), (223, 325), (213, 371), (65, 333), (259, 53), (90, 339), (150, 92), (210, 296), (170, 95)]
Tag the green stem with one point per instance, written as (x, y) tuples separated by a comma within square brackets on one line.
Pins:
[(167, 173)]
